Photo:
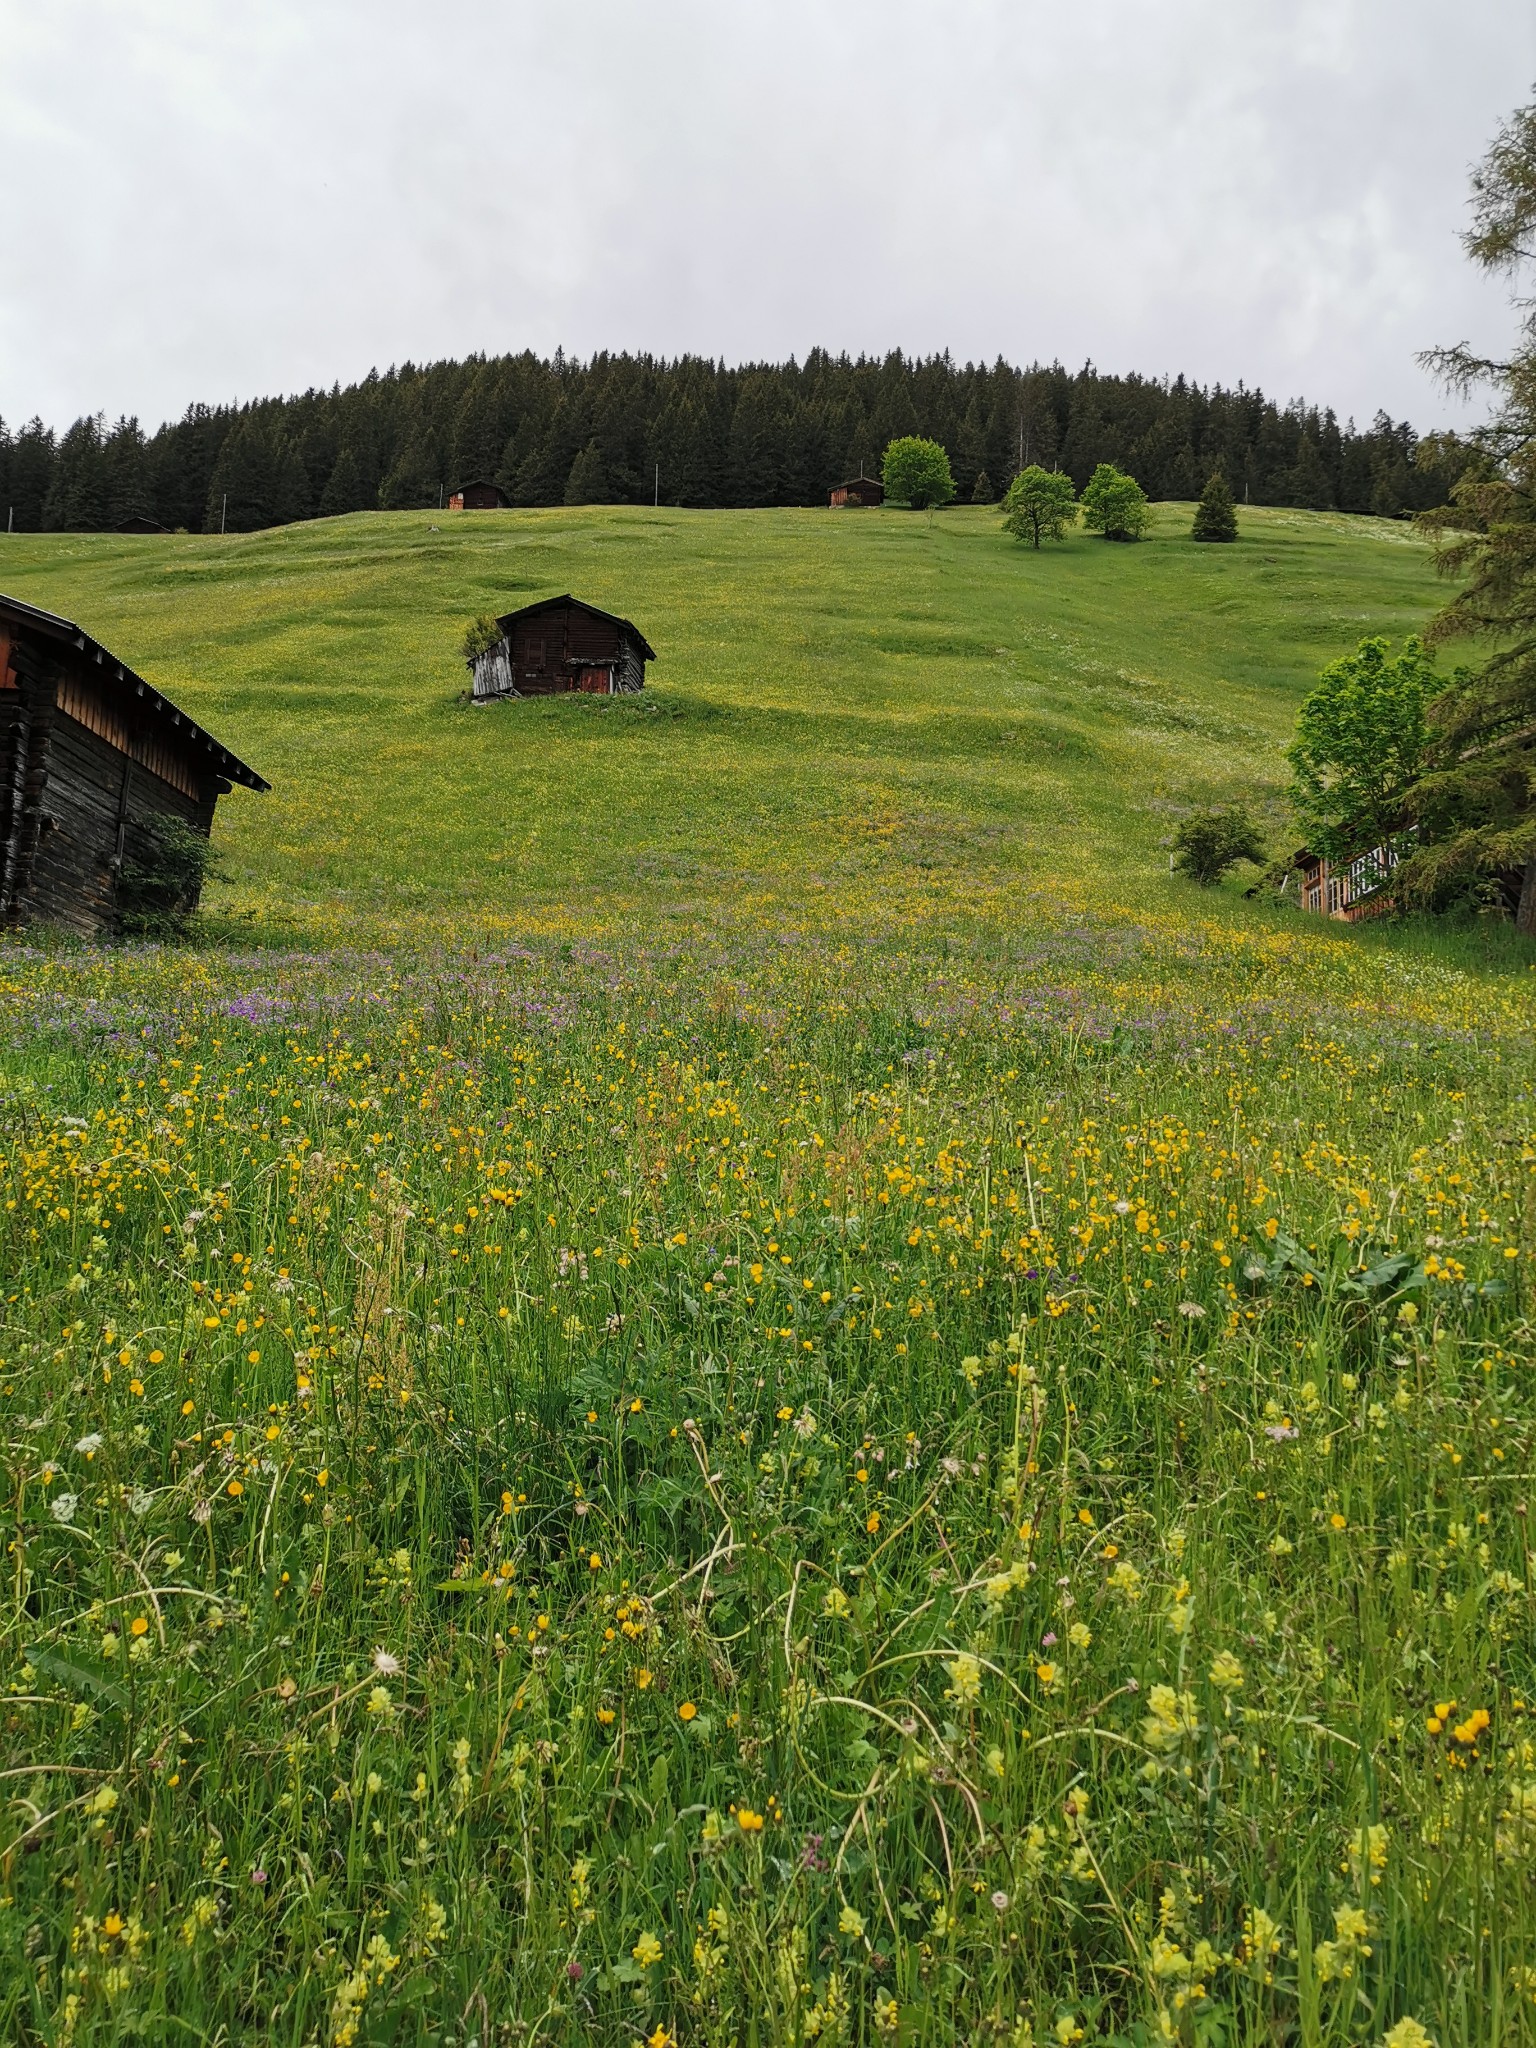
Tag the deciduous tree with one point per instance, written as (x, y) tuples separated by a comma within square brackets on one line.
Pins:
[(916, 472), (1359, 745), (1040, 504), (1209, 842), (1114, 504)]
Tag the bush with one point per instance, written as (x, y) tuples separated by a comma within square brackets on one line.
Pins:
[(1215, 515), (917, 473), (1114, 504), (161, 879), (1039, 503), (1211, 841), (480, 636)]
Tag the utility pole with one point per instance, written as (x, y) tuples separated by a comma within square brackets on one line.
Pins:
[(223, 508), (10, 515), (656, 504)]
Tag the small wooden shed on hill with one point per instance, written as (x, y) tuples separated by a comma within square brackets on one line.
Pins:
[(479, 495), (90, 755), (859, 490), (562, 644)]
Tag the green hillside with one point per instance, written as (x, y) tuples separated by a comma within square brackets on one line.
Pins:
[(714, 1371), (831, 689)]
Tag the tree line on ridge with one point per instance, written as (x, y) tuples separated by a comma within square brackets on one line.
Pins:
[(620, 429)]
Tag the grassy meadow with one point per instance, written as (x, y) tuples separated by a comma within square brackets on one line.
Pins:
[(713, 1370)]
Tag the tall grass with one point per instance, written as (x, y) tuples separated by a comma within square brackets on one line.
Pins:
[(822, 1492), (718, 1374)]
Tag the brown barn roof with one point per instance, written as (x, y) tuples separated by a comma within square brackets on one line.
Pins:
[(550, 604), (188, 731)]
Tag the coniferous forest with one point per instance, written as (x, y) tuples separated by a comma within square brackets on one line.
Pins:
[(618, 428)]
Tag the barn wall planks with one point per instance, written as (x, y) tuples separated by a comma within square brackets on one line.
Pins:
[(89, 755), (87, 703)]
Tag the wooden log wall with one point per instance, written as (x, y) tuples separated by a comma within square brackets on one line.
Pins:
[(72, 801)]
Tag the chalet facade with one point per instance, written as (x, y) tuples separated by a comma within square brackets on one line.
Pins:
[(1351, 890), (859, 490), (562, 645), (90, 755), (477, 496)]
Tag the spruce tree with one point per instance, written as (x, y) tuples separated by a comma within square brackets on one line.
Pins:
[(1308, 484), (345, 490), (32, 459), (1215, 515), (77, 490), (587, 483), (1475, 808)]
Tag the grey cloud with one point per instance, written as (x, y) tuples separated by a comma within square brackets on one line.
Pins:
[(219, 202)]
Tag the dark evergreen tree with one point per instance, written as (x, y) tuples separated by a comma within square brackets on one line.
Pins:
[(128, 485), (1215, 515), (346, 489), (31, 466), (258, 480), (587, 483), (982, 492), (77, 489), (1308, 484)]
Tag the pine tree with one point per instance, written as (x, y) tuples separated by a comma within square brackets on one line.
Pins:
[(345, 489), (982, 492), (1215, 515), (125, 462), (77, 490), (587, 483), (32, 459), (1308, 484), (1475, 809), (258, 480)]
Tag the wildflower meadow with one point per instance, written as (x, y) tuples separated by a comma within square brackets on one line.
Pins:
[(914, 1459)]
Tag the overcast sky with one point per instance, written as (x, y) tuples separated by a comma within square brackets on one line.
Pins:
[(209, 199)]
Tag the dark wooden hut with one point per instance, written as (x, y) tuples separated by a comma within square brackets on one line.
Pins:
[(562, 644), (90, 755), (859, 490), (479, 495)]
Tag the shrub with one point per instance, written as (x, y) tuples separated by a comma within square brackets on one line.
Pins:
[(1040, 502), (982, 492), (917, 473), (1209, 842), (161, 878), (1114, 504), (1215, 515), (480, 636)]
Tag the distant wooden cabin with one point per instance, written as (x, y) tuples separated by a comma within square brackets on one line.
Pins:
[(558, 645), (859, 490), (1351, 890), (89, 752), (477, 496), (140, 522)]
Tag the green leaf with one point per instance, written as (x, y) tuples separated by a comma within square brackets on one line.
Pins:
[(79, 1675)]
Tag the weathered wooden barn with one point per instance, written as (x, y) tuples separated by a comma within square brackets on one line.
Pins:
[(859, 490), (90, 756), (479, 495), (562, 644)]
